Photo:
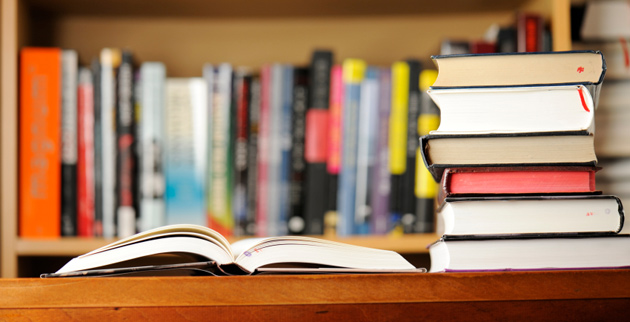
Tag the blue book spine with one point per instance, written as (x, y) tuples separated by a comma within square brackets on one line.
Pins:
[(353, 74)]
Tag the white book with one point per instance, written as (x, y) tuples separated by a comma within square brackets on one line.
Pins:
[(151, 142), (521, 109)]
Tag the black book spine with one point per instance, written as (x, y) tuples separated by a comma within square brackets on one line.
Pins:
[(317, 189), (252, 154), (297, 221), (409, 200), (125, 144), (98, 150), (242, 166), (69, 143)]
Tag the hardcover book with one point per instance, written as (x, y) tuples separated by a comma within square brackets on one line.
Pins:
[(241, 98), (245, 257), (40, 143), (534, 149), (151, 141), (297, 176), (561, 252), (185, 154), (316, 139), (586, 67), (535, 215), (85, 160), (69, 138)]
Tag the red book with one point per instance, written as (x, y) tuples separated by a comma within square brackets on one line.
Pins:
[(85, 162), (39, 177), (529, 32), (517, 180), (263, 151)]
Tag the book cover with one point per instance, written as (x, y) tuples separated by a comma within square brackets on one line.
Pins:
[(185, 154), (333, 162), (297, 176), (39, 178), (586, 67), (366, 149), (241, 97), (69, 145), (529, 32), (252, 155), (517, 180), (151, 141), (398, 133), (380, 187), (95, 67), (262, 191), (110, 59), (126, 198), (221, 171), (507, 149), (426, 189), (85, 160), (353, 75), (514, 109), (316, 141)]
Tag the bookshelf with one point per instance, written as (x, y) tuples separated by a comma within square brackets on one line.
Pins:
[(186, 34)]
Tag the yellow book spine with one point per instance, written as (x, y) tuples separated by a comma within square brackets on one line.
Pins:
[(425, 186), (398, 118)]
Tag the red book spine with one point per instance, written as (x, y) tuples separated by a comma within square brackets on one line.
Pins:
[(85, 162)]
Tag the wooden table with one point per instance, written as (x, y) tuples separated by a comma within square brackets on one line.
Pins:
[(507, 296)]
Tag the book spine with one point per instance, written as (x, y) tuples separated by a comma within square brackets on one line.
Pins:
[(110, 62), (69, 147), (252, 155), (242, 83), (263, 152), (409, 200), (85, 161), (185, 152), (379, 194), (151, 141), (98, 148), (353, 75), (529, 32), (297, 179), (398, 129), (39, 143), (333, 163), (220, 185), (366, 150), (286, 146), (426, 189), (125, 145), (316, 142), (274, 205)]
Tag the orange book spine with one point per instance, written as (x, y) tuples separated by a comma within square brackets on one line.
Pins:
[(39, 143)]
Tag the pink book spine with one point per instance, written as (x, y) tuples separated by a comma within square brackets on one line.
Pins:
[(85, 161), (335, 130), (263, 152)]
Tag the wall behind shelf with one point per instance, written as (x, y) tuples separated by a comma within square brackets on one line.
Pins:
[(185, 44)]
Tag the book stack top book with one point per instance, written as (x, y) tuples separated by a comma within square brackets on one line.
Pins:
[(514, 155)]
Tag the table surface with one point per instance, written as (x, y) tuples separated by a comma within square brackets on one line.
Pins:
[(514, 296)]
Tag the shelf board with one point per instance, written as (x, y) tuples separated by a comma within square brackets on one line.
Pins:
[(74, 246), (272, 8)]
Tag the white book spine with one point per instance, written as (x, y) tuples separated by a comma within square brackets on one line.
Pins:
[(108, 135)]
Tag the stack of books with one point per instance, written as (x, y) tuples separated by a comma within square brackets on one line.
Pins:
[(515, 158)]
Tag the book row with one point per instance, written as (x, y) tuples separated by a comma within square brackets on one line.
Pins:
[(329, 147)]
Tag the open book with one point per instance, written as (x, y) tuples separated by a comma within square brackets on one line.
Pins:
[(210, 250)]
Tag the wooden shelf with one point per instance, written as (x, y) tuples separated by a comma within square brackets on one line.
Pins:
[(71, 247), (185, 34), (508, 296)]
